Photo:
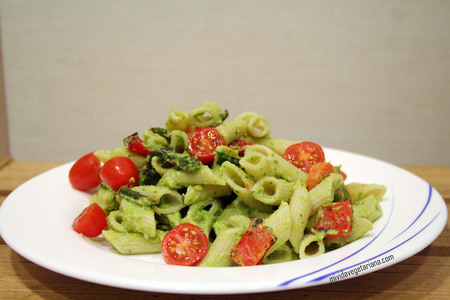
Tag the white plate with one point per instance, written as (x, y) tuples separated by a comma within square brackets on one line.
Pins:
[(36, 218)]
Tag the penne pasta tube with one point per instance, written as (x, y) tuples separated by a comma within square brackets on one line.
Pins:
[(280, 167), (256, 165), (133, 243), (368, 208), (218, 254), (241, 184), (232, 130), (176, 179), (203, 214), (284, 253), (178, 120), (280, 224), (323, 193), (196, 193), (145, 224), (272, 191), (360, 191), (207, 115), (154, 141), (178, 140), (300, 206), (258, 126), (236, 183), (310, 246), (275, 144)]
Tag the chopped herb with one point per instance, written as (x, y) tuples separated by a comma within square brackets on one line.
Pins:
[(161, 131), (222, 157), (182, 160)]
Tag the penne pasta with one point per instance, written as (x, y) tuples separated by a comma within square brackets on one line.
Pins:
[(272, 191), (310, 246), (222, 180), (300, 206)]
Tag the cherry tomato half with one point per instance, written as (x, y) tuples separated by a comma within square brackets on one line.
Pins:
[(304, 155), (317, 173), (91, 221), (84, 174), (119, 171), (203, 143), (184, 245), (254, 244)]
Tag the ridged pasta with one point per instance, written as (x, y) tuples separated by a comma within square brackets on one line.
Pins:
[(368, 208), (280, 224), (177, 179), (256, 165), (279, 146), (232, 130), (284, 253), (114, 221), (360, 191), (258, 126), (169, 201), (178, 140), (218, 254), (300, 206), (311, 245), (195, 193), (145, 223), (233, 214), (178, 120), (272, 191), (280, 167), (223, 196), (154, 141), (323, 193), (133, 243), (205, 116), (158, 164), (203, 214), (241, 184)]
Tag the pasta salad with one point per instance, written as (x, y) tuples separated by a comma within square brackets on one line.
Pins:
[(210, 191)]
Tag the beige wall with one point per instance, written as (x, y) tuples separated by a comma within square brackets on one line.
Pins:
[(4, 137), (365, 76)]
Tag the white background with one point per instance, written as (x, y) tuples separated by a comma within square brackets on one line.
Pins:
[(365, 76)]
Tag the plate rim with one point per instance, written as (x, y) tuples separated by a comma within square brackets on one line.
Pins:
[(80, 274)]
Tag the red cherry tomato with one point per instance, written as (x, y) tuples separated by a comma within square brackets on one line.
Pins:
[(84, 174), (184, 245), (135, 144), (203, 143), (304, 155), (91, 221), (240, 146), (335, 219), (118, 172), (254, 244), (317, 173)]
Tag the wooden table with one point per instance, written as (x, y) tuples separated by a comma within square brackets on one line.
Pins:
[(425, 275)]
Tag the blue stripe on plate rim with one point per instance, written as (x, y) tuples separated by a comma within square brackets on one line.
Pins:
[(430, 191)]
